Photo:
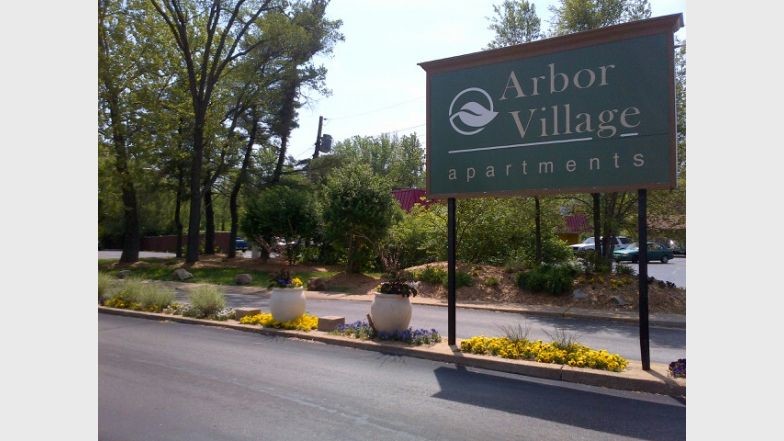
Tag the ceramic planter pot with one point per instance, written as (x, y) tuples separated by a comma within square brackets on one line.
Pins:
[(390, 312), (287, 303)]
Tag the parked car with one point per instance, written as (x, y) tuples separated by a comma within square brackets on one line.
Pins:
[(675, 246), (240, 244), (619, 243), (632, 253)]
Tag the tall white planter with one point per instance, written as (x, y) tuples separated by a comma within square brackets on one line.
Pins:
[(287, 303), (390, 312)]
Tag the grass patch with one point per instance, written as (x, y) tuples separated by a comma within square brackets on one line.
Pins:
[(163, 269)]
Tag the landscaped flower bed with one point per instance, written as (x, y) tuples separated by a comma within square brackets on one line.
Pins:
[(572, 354), (362, 330), (305, 322)]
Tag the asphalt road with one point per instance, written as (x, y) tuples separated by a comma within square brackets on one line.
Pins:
[(666, 344), (673, 271), (168, 381)]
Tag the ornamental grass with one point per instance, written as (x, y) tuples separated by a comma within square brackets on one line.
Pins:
[(305, 322), (573, 354), (140, 296)]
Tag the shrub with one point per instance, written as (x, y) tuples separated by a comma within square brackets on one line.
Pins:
[(624, 270), (431, 274), (555, 279), (491, 282), (575, 354), (440, 276), (205, 301), (461, 279)]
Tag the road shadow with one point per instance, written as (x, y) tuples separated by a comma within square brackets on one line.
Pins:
[(601, 412)]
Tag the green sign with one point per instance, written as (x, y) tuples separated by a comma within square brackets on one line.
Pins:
[(589, 112)]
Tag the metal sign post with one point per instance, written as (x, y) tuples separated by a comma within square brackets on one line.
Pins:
[(451, 270), (642, 226)]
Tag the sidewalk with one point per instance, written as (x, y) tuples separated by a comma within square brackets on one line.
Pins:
[(657, 319)]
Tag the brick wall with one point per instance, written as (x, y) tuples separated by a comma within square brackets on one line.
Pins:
[(168, 244)]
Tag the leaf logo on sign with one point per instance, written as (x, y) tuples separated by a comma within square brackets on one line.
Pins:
[(471, 114)]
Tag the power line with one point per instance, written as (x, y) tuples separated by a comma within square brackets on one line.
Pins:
[(376, 110)]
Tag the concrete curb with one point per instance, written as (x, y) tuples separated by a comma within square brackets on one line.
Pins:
[(660, 320), (655, 381)]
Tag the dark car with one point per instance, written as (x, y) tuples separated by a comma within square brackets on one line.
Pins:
[(632, 253), (677, 248), (240, 244)]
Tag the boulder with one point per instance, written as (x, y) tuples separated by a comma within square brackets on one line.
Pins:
[(579, 294), (317, 284), (242, 312), (243, 279), (182, 274), (123, 274), (619, 301), (330, 322)]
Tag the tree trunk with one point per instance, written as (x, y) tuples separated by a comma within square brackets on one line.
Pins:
[(538, 232), (132, 230), (235, 191), (209, 220), (194, 218), (177, 219)]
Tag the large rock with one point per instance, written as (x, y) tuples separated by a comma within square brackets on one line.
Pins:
[(619, 301), (317, 284), (330, 322), (243, 279), (242, 312), (579, 294), (182, 274)]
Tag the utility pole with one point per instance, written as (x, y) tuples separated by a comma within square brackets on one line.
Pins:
[(318, 138)]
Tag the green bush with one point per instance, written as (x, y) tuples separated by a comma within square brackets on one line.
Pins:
[(624, 270), (440, 276), (206, 300), (431, 274), (358, 210), (491, 282), (555, 279), (288, 212)]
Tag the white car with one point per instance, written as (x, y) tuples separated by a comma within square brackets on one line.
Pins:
[(621, 242)]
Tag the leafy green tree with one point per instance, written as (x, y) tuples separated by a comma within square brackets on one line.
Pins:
[(358, 211), (399, 159), (581, 15), (281, 211), (515, 22), (211, 37)]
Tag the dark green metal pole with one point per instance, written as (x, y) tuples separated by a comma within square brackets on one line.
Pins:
[(451, 261), (642, 226)]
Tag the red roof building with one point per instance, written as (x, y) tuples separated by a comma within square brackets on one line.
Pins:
[(407, 197)]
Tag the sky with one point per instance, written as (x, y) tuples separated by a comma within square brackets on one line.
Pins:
[(377, 86)]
